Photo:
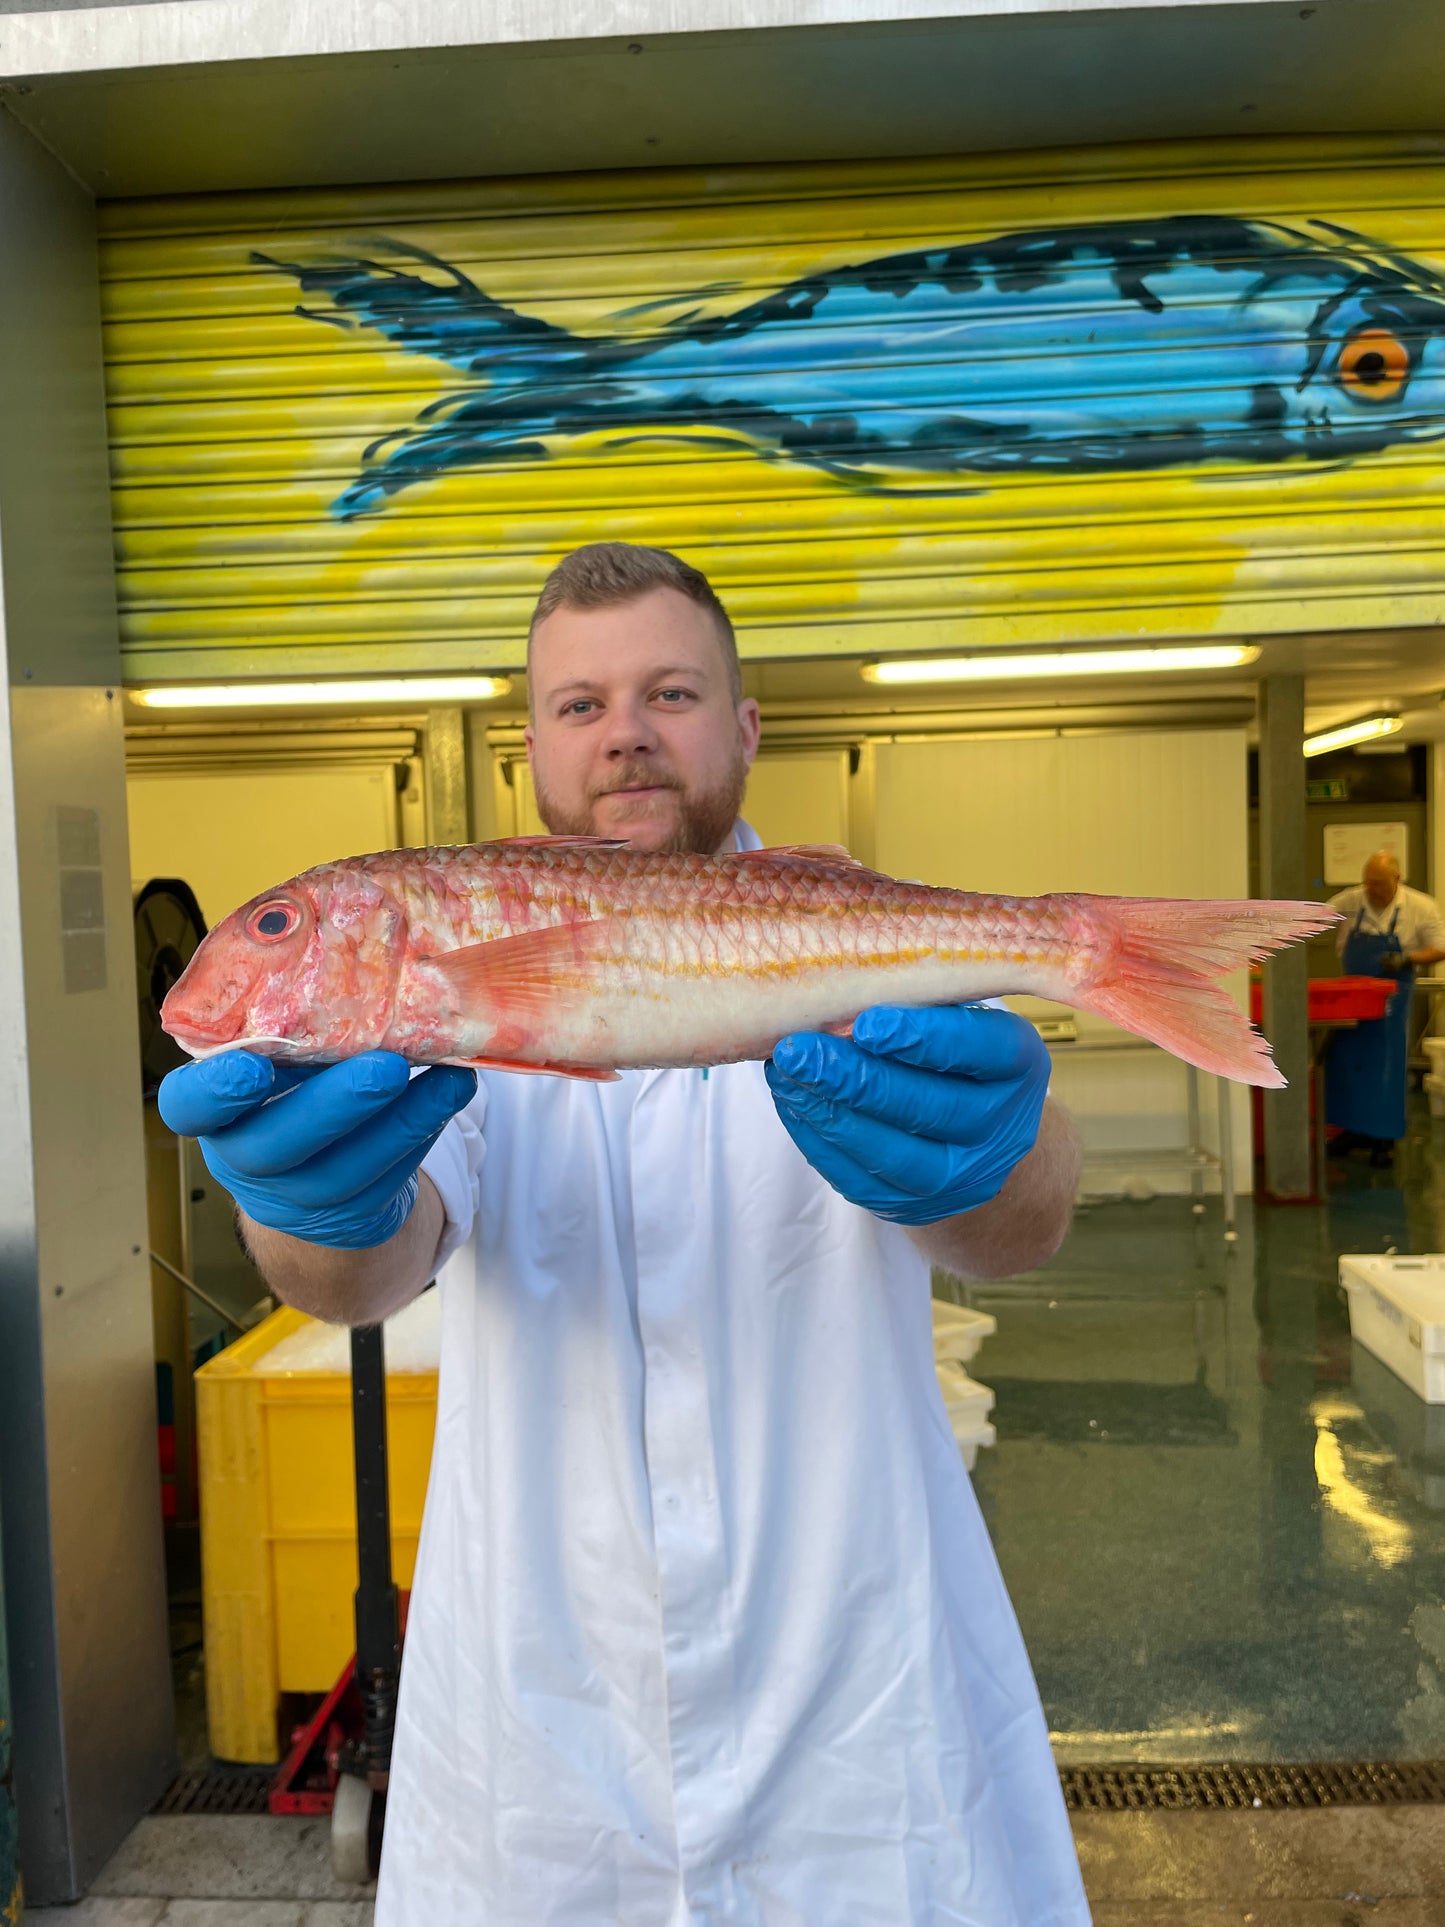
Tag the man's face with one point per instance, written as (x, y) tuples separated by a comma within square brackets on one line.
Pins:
[(634, 730), (1381, 881)]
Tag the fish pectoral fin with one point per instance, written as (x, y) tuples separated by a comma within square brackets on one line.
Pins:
[(521, 977), (821, 856), (592, 1073)]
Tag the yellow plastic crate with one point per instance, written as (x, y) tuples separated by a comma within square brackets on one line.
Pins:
[(278, 1524)]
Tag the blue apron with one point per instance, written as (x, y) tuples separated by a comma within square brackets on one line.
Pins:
[(1365, 1074)]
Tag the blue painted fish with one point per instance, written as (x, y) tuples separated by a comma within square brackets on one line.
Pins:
[(1137, 345)]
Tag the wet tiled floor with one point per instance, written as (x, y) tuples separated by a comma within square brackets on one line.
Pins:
[(1348, 1867), (1223, 1526), (1221, 1521)]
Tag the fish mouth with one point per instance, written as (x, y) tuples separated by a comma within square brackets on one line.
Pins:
[(197, 1038)]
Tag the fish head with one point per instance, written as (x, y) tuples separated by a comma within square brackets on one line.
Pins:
[(306, 973), (1374, 367)]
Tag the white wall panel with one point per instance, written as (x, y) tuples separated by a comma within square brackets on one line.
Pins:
[(1159, 813), (233, 833)]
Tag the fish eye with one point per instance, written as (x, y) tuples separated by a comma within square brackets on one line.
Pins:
[(1374, 365), (272, 921)]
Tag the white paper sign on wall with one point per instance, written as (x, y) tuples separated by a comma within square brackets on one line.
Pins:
[(1349, 846)]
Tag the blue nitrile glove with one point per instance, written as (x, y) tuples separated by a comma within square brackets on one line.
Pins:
[(329, 1156), (922, 1113)]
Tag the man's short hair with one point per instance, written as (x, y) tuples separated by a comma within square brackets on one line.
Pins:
[(604, 575)]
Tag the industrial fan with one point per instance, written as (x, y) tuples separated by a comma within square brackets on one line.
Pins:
[(168, 931)]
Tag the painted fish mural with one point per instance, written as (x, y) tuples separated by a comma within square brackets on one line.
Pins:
[(1135, 345)]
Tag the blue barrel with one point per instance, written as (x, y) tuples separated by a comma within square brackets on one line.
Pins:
[(11, 1905)]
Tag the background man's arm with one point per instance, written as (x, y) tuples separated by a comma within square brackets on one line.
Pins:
[(1029, 1219), (1431, 947)]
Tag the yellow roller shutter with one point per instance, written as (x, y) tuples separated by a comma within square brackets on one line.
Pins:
[(1182, 390)]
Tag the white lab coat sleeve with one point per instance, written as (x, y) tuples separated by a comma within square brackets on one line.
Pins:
[(454, 1165)]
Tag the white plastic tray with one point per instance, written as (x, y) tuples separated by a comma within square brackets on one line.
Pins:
[(1397, 1311), (958, 1332)]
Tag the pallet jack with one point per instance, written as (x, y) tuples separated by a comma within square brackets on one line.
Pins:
[(340, 1760)]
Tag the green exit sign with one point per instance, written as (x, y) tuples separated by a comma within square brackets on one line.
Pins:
[(1328, 789)]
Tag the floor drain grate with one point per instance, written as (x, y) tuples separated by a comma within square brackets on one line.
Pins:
[(1099, 1789), (1118, 1789), (241, 1790)]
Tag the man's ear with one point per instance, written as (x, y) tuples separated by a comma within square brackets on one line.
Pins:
[(750, 728)]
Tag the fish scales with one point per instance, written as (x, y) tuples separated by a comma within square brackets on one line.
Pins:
[(581, 957)]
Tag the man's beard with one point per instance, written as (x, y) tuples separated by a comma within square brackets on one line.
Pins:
[(705, 820)]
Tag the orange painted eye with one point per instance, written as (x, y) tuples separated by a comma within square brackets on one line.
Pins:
[(1374, 365), (273, 921)]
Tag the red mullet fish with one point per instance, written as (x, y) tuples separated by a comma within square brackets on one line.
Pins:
[(581, 956)]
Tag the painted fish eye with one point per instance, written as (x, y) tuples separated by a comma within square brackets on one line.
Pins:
[(272, 921), (1374, 365)]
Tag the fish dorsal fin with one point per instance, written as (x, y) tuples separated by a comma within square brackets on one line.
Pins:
[(564, 842), (822, 856)]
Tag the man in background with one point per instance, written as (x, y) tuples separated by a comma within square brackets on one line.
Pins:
[(1386, 930)]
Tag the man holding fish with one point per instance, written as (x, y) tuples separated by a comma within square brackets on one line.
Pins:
[(706, 1626)]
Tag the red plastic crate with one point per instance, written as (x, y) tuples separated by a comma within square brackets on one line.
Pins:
[(1336, 999)]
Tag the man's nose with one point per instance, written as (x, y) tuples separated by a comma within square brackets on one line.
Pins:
[(630, 730)]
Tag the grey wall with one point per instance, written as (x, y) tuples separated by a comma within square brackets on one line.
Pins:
[(79, 1493), (214, 95)]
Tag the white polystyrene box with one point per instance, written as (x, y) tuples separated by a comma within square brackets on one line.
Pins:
[(412, 1342), (1397, 1311), (964, 1396), (968, 1405), (958, 1331), (1412, 1431), (968, 1445)]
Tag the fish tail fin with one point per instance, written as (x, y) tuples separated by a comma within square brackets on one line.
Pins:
[(439, 312), (1160, 981)]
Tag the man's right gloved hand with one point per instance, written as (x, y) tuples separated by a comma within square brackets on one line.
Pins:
[(329, 1156)]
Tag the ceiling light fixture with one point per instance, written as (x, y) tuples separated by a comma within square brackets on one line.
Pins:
[(402, 691), (1000, 666), (1368, 729)]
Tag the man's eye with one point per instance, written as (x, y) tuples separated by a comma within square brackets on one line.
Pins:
[(673, 696), (581, 707)]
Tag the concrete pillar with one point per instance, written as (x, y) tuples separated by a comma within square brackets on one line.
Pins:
[(448, 777), (1436, 794), (1283, 871), (85, 1593)]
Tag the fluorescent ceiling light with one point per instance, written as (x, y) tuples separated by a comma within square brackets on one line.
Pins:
[(1000, 666), (1368, 730), (403, 690)]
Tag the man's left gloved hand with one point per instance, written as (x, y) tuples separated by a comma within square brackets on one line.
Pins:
[(920, 1115)]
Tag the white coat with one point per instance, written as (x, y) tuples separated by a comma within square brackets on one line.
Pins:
[(706, 1628)]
